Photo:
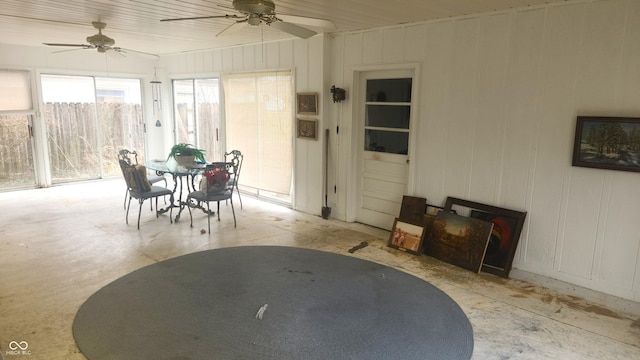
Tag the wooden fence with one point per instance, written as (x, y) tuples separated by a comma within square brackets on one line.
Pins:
[(79, 146)]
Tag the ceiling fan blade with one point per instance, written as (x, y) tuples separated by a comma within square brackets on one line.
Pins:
[(307, 21), (292, 29), (69, 45), (233, 28), (205, 17), (67, 50), (124, 51)]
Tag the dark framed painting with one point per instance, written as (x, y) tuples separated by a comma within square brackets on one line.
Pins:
[(412, 209), (458, 240), (607, 143), (307, 129), (507, 226), (406, 237), (308, 103)]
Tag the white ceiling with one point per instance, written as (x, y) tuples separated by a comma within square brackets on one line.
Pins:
[(135, 24)]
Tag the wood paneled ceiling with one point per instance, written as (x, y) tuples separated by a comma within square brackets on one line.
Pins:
[(135, 24)]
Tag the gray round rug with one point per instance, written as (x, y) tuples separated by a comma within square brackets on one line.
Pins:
[(271, 302)]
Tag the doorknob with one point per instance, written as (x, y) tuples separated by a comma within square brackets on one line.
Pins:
[(408, 161)]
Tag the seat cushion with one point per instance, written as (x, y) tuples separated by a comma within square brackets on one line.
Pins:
[(204, 196), (155, 178), (153, 192)]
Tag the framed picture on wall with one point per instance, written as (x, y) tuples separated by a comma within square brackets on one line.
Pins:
[(607, 143), (308, 103), (307, 129), (507, 226)]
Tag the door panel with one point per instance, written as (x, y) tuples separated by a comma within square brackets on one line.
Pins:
[(70, 115), (384, 132)]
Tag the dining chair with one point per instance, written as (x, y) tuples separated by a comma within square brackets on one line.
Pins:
[(235, 157), (131, 157), (217, 187), (139, 187)]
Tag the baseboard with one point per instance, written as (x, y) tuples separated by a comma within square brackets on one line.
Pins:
[(610, 301)]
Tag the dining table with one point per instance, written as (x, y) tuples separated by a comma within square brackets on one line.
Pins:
[(184, 178)]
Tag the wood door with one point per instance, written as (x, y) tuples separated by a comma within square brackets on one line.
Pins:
[(384, 113)]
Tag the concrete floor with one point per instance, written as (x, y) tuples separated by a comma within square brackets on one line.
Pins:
[(60, 245)]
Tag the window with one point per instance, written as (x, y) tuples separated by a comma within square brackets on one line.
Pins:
[(259, 123), (387, 114), (197, 115)]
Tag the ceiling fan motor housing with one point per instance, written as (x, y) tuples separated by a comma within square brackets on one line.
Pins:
[(258, 7), (98, 39)]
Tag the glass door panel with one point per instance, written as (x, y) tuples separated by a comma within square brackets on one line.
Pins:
[(70, 116), (183, 98), (16, 155), (119, 105), (208, 119)]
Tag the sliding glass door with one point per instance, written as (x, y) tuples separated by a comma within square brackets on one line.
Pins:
[(88, 120), (197, 115)]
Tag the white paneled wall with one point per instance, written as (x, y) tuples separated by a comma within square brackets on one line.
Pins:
[(498, 95), (498, 100), (306, 61)]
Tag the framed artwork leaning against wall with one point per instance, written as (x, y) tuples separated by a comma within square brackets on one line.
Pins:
[(503, 242)]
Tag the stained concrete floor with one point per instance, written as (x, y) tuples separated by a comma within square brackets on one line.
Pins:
[(60, 245)]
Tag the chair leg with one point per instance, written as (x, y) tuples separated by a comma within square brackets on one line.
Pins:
[(239, 197), (234, 212), (139, 212), (190, 215), (127, 216), (126, 194), (218, 210), (156, 207)]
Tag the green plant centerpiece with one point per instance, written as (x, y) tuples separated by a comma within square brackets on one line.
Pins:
[(186, 154)]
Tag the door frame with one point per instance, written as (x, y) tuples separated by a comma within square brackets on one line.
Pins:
[(357, 128)]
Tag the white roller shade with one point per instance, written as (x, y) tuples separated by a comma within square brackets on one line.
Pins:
[(15, 91)]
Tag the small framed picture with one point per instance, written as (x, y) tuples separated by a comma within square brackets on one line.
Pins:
[(308, 103), (308, 129), (406, 237)]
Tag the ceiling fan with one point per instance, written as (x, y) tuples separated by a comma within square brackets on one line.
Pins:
[(256, 12), (100, 42)]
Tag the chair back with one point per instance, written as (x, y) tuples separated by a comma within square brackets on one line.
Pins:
[(135, 175), (219, 178), (130, 157), (235, 158)]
